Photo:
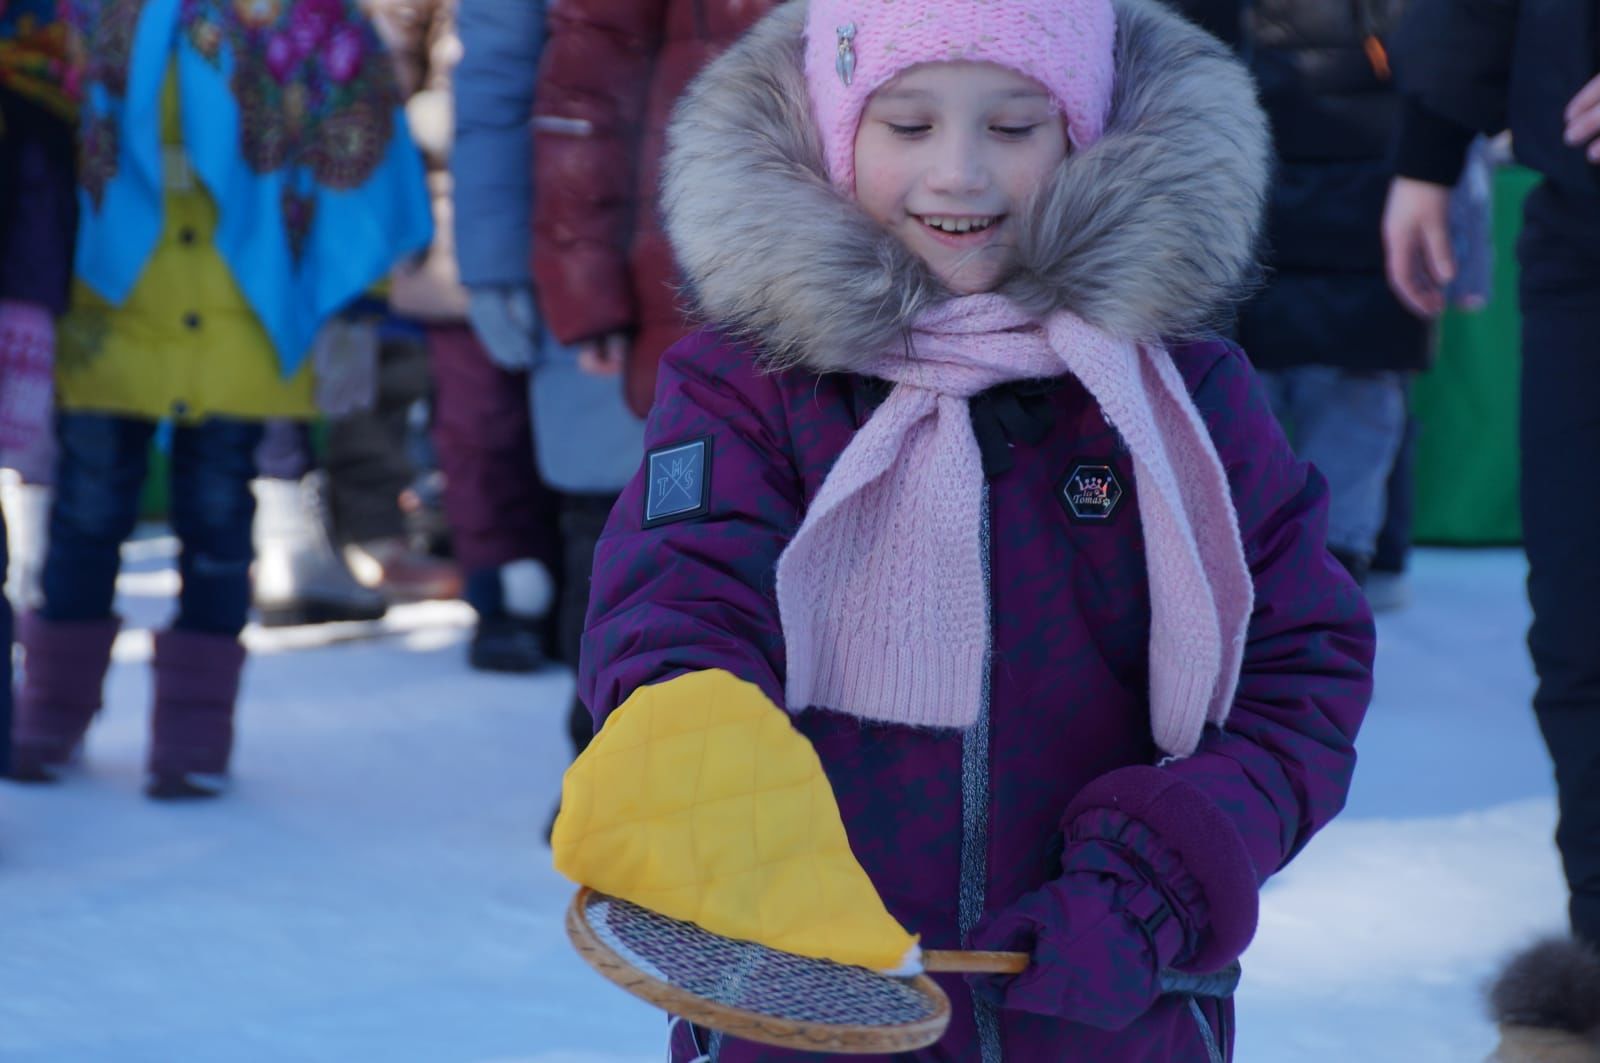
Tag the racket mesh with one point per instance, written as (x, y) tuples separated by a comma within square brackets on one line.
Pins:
[(751, 977)]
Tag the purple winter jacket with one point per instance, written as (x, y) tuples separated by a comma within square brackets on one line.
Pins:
[(1069, 728), (955, 825)]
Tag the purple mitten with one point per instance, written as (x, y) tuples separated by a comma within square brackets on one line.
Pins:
[(27, 360), (1100, 936)]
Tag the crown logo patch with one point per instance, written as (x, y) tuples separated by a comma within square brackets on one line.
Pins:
[(1090, 493)]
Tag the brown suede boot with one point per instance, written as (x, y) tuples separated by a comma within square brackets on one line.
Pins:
[(191, 729), (1530, 1044), (64, 668)]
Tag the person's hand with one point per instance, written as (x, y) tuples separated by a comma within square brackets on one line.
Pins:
[(27, 364), (605, 356), (344, 359), (1583, 119), (1416, 244), (1100, 935), (507, 324)]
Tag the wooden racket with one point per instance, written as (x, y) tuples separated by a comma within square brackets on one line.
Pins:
[(752, 992), (759, 994)]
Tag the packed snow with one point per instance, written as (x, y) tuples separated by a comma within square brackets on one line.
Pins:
[(376, 886)]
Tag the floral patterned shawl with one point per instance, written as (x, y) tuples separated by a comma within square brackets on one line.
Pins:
[(291, 120)]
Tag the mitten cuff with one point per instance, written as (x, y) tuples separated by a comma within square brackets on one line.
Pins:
[(1190, 838), (1157, 893)]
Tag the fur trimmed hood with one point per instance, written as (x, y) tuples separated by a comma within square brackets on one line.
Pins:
[(1149, 233)]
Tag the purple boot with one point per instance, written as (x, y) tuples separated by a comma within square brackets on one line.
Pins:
[(191, 730), (64, 667)]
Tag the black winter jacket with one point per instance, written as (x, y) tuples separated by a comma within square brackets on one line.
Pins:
[(1482, 66), (1333, 108)]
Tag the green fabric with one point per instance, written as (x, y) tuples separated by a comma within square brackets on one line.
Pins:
[(1466, 406)]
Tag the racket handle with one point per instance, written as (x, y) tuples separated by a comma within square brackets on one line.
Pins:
[(953, 961)]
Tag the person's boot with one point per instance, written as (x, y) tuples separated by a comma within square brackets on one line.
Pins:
[(1387, 591), (299, 577), (64, 668), (400, 573), (511, 618), (191, 729), (27, 508), (1356, 564), (1546, 1002), (505, 643)]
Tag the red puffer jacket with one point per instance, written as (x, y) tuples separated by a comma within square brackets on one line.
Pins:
[(611, 71)]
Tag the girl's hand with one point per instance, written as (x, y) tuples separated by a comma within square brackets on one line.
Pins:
[(1416, 244), (344, 357), (605, 356), (1583, 119), (1100, 936), (507, 326)]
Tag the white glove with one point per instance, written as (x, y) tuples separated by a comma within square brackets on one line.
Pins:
[(345, 357), (506, 324)]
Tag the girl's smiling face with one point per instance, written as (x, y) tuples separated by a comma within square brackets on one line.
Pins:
[(947, 154)]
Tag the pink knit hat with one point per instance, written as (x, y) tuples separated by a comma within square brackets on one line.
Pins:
[(853, 47)]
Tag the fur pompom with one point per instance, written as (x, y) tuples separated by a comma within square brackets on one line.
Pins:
[(1554, 984)]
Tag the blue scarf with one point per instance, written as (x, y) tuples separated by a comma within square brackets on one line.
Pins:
[(291, 119)]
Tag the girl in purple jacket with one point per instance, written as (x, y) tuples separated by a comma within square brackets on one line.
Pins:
[(953, 482)]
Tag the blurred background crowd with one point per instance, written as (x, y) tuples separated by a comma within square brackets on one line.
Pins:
[(364, 299)]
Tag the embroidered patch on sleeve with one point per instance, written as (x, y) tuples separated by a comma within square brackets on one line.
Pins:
[(679, 485), (1090, 492)]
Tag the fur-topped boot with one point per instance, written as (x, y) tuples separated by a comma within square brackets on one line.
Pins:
[(64, 667), (191, 729), (1547, 1004)]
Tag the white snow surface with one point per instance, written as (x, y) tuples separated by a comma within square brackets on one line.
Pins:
[(376, 887)]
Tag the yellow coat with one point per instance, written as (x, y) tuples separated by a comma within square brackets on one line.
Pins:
[(185, 344)]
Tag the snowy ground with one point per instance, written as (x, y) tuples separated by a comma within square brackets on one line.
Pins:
[(376, 887)]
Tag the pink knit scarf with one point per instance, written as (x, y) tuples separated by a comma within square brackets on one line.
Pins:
[(882, 591)]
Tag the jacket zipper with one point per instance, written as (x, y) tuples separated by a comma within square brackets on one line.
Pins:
[(975, 807), (1211, 1038)]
